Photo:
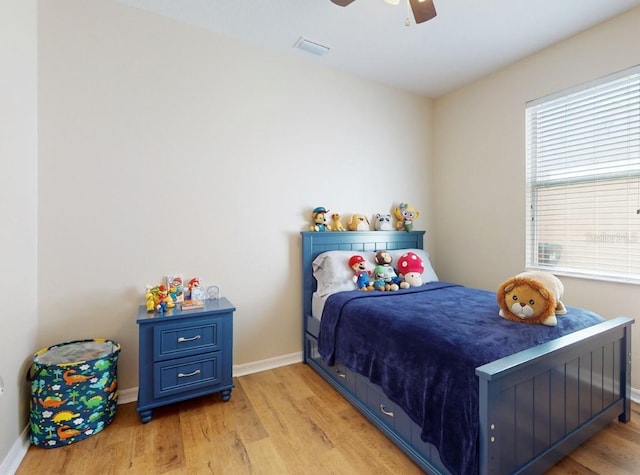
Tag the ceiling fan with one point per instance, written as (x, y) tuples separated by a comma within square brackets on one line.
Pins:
[(423, 10)]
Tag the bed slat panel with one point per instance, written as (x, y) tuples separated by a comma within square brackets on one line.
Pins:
[(597, 388), (572, 394), (608, 384), (524, 420), (585, 403), (557, 411), (542, 404)]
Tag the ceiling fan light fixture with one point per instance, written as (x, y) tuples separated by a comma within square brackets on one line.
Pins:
[(423, 10)]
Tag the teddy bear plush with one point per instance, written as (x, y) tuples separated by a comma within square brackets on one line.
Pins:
[(532, 297)]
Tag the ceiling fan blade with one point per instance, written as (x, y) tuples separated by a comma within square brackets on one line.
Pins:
[(343, 3), (422, 11)]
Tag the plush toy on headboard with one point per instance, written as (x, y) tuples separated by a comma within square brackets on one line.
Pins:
[(318, 216), (359, 222), (336, 222), (532, 297), (383, 222), (406, 215)]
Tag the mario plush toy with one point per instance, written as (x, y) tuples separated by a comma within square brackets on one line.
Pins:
[(532, 297), (361, 274)]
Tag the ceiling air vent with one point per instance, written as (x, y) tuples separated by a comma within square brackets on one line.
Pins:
[(311, 46)]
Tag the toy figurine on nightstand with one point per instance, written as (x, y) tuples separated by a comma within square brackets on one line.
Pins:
[(319, 219), (193, 284), (164, 300), (176, 288), (150, 299)]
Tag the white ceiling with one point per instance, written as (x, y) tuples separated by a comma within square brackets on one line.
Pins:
[(468, 38)]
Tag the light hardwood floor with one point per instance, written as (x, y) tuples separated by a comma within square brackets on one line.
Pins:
[(282, 421)]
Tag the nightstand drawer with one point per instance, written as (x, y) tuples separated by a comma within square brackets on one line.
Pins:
[(187, 374), (177, 341)]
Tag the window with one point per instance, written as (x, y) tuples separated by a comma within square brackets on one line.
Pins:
[(583, 180)]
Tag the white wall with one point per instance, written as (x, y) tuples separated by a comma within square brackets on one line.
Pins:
[(479, 164), (165, 148), (18, 214)]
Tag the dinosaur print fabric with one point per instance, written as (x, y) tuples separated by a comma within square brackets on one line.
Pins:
[(74, 391)]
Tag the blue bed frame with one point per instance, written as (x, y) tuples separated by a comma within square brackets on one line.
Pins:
[(535, 406)]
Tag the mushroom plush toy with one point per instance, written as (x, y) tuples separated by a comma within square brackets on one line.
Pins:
[(410, 268)]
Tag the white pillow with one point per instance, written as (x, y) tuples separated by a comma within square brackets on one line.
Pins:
[(332, 272), (429, 275)]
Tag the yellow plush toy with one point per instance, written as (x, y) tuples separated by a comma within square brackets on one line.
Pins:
[(406, 215), (359, 222), (336, 221), (532, 297)]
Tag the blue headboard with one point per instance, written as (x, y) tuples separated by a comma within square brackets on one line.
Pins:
[(314, 243)]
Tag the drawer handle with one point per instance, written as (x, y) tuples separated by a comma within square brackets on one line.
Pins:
[(385, 411), (183, 339), (182, 375), (341, 374)]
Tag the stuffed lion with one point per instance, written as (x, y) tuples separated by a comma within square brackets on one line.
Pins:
[(532, 297)]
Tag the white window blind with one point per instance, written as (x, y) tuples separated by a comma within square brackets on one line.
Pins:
[(583, 180)]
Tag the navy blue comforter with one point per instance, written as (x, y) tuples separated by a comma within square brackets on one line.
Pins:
[(422, 345)]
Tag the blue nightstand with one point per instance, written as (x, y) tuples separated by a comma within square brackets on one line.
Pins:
[(184, 354)]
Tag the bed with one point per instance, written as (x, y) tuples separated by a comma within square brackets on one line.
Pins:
[(527, 410)]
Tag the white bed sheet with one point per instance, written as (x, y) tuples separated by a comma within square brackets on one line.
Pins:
[(317, 305)]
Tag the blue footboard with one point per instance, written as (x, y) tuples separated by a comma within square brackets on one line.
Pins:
[(538, 405)]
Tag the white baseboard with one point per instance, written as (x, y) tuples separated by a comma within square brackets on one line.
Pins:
[(128, 395), (263, 365), (19, 449)]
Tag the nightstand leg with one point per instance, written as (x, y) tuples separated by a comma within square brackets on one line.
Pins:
[(225, 395), (145, 416)]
